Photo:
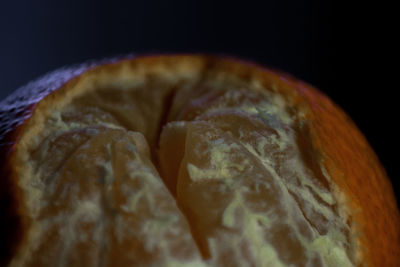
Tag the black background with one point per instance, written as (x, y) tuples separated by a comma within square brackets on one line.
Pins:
[(334, 46)]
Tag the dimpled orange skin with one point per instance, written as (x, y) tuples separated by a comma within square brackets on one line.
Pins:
[(330, 136)]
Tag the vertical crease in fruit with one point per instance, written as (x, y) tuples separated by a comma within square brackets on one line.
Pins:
[(165, 112)]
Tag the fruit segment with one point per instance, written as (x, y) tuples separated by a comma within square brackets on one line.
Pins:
[(102, 195), (246, 192), (97, 200)]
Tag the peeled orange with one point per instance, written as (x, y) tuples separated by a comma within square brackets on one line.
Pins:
[(188, 160)]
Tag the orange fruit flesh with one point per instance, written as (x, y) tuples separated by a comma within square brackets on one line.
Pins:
[(103, 196), (240, 182), (193, 172)]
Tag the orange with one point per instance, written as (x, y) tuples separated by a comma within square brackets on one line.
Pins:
[(188, 160)]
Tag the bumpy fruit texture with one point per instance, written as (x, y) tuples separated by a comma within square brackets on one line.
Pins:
[(244, 188), (97, 198), (177, 170)]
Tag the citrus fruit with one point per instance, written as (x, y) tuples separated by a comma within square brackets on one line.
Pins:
[(188, 160)]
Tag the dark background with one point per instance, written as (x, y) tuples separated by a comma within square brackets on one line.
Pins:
[(335, 47)]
